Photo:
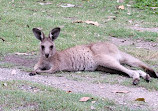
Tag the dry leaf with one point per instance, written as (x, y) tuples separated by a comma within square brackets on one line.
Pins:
[(78, 21), (120, 1), (78, 72), (5, 84), (93, 108), (130, 21), (153, 8), (128, 5), (140, 99), (2, 39), (18, 53), (112, 17), (47, 3), (67, 5), (102, 87), (120, 91), (92, 23), (34, 89), (87, 22), (68, 91), (121, 7), (128, 13), (84, 99), (93, 102), (13, 72)]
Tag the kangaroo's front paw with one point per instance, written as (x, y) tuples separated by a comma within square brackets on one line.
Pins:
[(32, 73), (147, 78), (136, 81)]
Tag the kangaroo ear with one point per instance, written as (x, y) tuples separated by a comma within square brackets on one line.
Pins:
[(54, 33), (38, 34)]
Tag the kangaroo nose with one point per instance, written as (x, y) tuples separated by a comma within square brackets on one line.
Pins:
[(47, 55)]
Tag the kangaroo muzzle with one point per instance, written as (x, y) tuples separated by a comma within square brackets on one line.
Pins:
[(46, 55)]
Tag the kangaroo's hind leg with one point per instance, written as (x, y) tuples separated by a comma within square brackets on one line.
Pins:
[(134, 62), (112, 63)]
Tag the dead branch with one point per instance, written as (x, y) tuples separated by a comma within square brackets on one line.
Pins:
[(2, 39)]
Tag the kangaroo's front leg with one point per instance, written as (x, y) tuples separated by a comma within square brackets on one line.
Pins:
[(38, 70)]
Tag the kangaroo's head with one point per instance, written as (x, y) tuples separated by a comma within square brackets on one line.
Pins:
[(47, 46)]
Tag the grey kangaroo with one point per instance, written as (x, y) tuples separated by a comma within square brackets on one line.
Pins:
[(102, 56)]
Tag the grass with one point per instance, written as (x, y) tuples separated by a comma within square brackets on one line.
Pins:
[(152, 86), (7, 65), (19, 17), (14, 65), (105, 78), (150, 6), (26, 96), (128, 33), (146, 3)]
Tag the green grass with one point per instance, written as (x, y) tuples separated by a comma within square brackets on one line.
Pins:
[(26, 96), (13, 65), (106, 78), (7, 65), (19, 17), (151, 86), (146, 3), (128, 33)]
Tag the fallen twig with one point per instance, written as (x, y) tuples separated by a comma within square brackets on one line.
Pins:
[(2, 39)]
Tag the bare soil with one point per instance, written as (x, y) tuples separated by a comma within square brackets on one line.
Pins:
[(101, 90), (127, 98), (137, 43), (141, 29), (18, 60)]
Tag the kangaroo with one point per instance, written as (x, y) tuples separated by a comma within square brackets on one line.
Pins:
[(102, 56)]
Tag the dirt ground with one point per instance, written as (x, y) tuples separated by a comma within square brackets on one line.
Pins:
[(101, 90), (127, 98), (137, 43)]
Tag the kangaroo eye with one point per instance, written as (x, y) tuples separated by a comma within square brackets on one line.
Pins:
[(51, 47), (42, 47)]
